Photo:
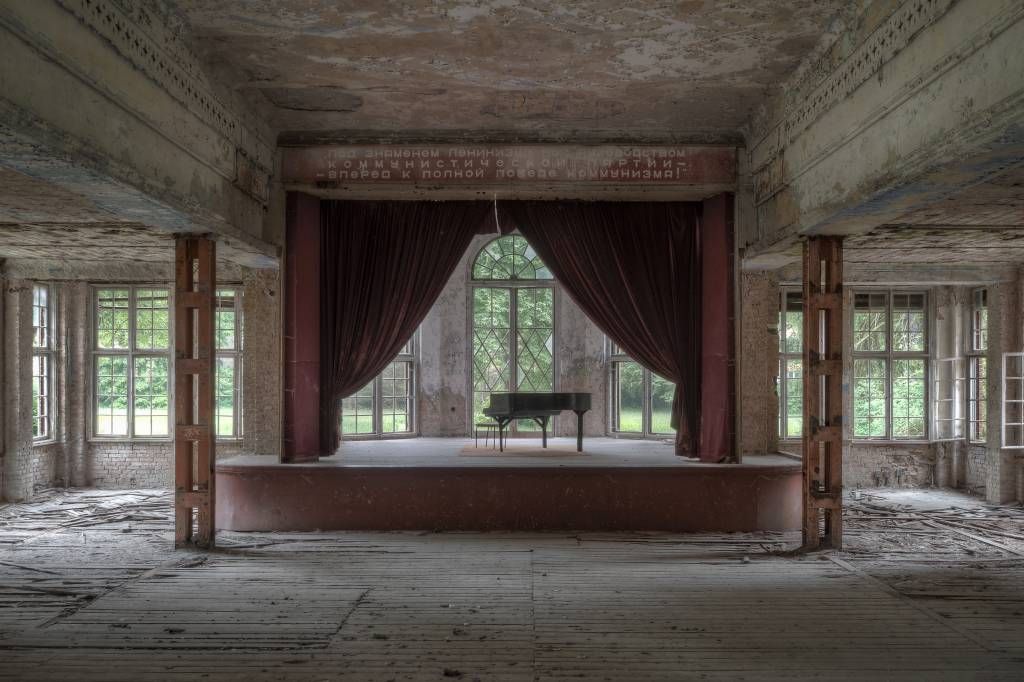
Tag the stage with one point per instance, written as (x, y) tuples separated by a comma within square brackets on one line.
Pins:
[(448, 484)]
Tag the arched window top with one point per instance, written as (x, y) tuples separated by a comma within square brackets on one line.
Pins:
[(509, 257)]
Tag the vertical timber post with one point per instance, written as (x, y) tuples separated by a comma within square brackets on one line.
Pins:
[(194, 455), (823, 393)]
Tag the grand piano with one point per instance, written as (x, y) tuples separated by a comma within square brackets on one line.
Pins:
[(539, 407)]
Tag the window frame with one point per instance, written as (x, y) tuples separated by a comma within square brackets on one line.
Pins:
[(409, 354), (889, 356), (130, 353), (512, 285), (615, 355), (782, 384), (977, 352), (47, 354), (1017, 401), (237, 354)]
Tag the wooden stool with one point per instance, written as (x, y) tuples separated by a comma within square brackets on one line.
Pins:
[(489, 428)]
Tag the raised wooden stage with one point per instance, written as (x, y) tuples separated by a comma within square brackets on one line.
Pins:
[(447, 484)]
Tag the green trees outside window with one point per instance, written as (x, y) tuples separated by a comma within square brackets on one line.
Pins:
[(890, 366), (513, 323)]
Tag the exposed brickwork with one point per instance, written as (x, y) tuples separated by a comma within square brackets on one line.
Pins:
[(759, 363), (261, 376), (47, 465), (888, 465)]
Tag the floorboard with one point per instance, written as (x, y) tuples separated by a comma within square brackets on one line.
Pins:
[(929, 587)]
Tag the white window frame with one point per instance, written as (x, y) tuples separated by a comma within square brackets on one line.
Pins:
[(889, 355), (614, 357), (1013, 441), (45, 354), (131, 353), (408, 354), (947, 385), (782, 385), (977, 351), (237, 354)]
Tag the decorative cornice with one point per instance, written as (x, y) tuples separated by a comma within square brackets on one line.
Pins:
[(171, 65), (822, 86)]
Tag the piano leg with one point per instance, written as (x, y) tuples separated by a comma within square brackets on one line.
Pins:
[(544, 431), (579, 431)]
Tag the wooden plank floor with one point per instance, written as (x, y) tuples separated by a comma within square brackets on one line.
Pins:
[(931, 587)]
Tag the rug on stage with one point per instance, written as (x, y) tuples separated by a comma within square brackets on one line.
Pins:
[(521, 450)]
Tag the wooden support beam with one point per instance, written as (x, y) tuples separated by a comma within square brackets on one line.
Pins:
[(823, 392), (195, 289)]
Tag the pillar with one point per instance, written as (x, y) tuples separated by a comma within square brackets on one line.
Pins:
[(301, 432), (195, 287), (823, 392)]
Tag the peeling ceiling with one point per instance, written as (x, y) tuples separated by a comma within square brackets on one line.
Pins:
[(644, 69)]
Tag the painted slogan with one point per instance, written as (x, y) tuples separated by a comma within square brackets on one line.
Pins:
[(508, 164)]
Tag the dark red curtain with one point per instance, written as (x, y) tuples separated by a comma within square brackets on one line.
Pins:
[(382, 266), (634, 268)]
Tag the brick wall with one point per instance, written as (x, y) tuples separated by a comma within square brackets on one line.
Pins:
[(895, 465)]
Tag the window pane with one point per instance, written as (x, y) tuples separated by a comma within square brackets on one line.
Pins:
[(225, 398), (396, 398), (869, 379), (357, 412), (492, 354), (509, 257), (112, 318), (908, 323), (869, 315), (152, 320), (40, 316), (791, 326), (535, 336), (628, 392), (111, 396), (225, 319), (979, 320), (41, 423), (151, 411), (908, 399), (793, 408), (978, 399), (662, 392)]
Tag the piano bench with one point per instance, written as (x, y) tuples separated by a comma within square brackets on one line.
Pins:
[(490, 430)]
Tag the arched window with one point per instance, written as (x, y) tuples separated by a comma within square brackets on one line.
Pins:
[(513, 323), (509, 258)]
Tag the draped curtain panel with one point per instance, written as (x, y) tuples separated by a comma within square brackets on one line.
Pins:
[(382, 266), (634, 268)]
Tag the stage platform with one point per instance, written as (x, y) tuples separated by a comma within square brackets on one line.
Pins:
[(448, 484)]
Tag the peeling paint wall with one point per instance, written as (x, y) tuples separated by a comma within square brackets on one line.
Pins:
[(759, 363)]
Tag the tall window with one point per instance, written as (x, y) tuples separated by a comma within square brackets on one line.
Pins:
[(42, 364), (641, 401), (890, 365), (131, 362), (977, 369), (384, 407), (791, 375), (227, 404), (513, 323)]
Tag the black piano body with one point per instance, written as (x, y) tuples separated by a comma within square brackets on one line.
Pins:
[(539, 407)]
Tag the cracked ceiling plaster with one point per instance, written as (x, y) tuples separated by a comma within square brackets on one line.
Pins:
[(527, 68)]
